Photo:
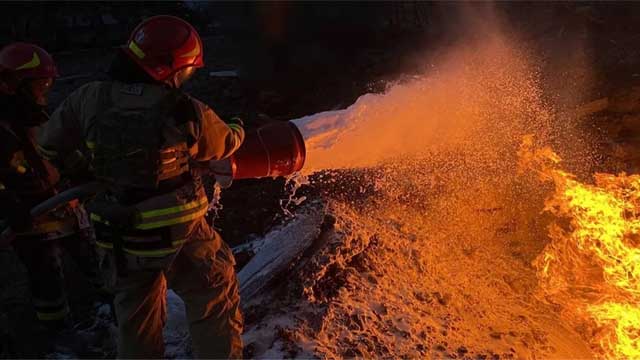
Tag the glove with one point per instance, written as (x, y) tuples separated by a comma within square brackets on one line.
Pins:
[(222, 172)]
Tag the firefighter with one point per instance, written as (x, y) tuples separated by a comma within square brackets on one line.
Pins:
[(27, 73), (142, 135)]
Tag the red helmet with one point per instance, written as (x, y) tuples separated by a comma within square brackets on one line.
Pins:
[(163, 45), (22, 61)]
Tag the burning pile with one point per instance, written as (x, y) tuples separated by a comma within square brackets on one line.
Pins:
[(430, 254), (591, 267)]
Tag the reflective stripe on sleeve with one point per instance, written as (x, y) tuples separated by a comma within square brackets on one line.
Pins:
[(136, 50), (235, 127)]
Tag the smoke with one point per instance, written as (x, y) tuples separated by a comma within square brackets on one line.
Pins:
[(481, 96), (483, 93)]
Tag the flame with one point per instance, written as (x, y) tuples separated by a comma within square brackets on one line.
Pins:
[(591, 267)]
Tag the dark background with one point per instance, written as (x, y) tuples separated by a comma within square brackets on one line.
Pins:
[(296, 56)]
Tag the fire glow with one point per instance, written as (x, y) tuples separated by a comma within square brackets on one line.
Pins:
[(450, 215), (591, 267)]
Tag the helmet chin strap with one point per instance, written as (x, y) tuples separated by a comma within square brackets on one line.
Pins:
[(178, 78), (173, 81)]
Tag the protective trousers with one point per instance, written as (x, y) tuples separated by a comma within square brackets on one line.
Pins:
[(202, 274), (43, 260)]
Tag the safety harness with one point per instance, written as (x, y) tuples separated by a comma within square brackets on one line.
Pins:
[(137, 151), (150, 235)]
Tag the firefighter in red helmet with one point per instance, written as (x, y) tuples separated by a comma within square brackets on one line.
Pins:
[(142, 134), (27, 73)]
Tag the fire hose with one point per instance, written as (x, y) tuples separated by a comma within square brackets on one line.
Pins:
[(76, 193)]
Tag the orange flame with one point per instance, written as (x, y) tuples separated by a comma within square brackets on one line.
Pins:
[(591, 266)]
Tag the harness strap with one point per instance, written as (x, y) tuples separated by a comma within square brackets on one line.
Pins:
[(151, 235)]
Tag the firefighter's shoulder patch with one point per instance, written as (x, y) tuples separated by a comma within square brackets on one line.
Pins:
[(132, 89)]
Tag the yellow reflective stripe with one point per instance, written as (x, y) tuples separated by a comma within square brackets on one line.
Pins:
[(58, 315), (202, 202), (235, 127), (175, 209), (136, 50), (169, 222), (175, 244), (151, 253), (90, 145), (31, 64), (146, 253)]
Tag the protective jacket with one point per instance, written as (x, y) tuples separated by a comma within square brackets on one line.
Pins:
[(140, 140), (26, 180)]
